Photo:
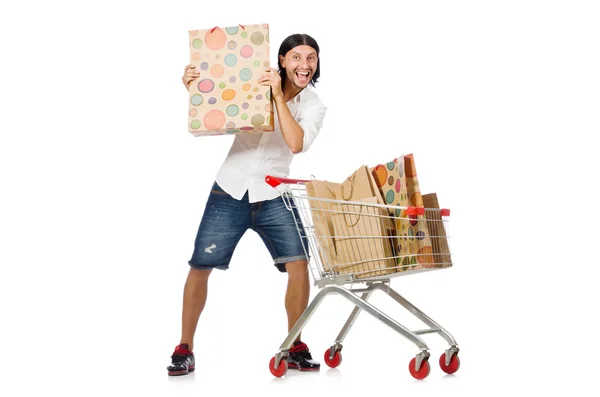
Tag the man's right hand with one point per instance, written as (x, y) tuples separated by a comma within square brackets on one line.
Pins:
[(189, 75)]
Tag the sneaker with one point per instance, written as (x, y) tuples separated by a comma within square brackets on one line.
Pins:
[(299, 358), (182, 361)]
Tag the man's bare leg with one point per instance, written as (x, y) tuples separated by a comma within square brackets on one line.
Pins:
[(194, 299), (296, 301)]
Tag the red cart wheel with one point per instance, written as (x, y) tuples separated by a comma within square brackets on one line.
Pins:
[(453, 366), (281, 370), (422, 372), (335, 361)]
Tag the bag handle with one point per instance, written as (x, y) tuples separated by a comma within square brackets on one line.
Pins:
[(213, 29), (351, 178), (357, 218)]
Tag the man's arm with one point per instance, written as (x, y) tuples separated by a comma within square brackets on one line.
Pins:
[(293, 134)]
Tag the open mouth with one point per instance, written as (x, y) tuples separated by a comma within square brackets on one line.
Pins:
[(302, 76)]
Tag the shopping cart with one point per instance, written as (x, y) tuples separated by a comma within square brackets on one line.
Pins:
[(367, 249)]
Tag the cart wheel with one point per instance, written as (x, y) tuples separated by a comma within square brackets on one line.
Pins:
[(453, 366), (281, 370), (335, 361), (422, 372)]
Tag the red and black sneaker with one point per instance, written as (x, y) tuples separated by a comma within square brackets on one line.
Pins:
[(299, 358), (182, 361)]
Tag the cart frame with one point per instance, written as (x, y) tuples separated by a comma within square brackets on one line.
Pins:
[(334, 284)]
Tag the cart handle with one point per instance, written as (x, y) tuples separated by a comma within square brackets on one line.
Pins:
[(276, 181), (414, 211)]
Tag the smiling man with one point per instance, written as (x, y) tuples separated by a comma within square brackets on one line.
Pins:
[(240, 199)]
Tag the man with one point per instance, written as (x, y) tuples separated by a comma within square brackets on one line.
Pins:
[(240, 198)]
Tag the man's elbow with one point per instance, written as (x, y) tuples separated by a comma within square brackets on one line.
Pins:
[(297, 148)]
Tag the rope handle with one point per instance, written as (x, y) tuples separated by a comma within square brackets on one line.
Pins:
[(213, 29), (351, 178), (357, 217)]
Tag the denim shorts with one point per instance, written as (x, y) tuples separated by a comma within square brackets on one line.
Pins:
[(226, 219)]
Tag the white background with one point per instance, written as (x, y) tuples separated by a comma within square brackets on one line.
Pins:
[(102, 189)]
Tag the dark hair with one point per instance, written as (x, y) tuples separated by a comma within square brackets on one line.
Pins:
[(294, 41)]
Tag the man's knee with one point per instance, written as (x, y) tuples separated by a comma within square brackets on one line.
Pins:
[(199, 275), (297, 268)]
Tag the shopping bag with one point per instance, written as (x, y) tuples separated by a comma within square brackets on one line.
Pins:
[(351, 248), (226, 98), (322, 216), (361, 185), (362, 241), (414, 227), (390, 180), (437, 232), (412, 247), (358, 186)]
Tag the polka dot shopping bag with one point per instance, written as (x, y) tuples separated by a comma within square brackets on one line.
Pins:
[(226, 98)]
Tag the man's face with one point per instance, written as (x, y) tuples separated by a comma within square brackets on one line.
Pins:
[(300, 64)]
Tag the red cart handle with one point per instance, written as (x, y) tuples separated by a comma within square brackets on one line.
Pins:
[(276, 181), (414, 211)]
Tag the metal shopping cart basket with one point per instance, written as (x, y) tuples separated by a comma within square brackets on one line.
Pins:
[(369, 244)]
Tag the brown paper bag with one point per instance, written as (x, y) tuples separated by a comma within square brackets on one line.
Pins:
[(362, 241), (437, 232), (358, 186), (361, 185), (414, 228), (412, 182), (322, 216)]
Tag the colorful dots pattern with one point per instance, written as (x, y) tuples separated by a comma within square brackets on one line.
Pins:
[(230, 60), (228, 95), (246, 51), (214, 119), (205, 86), (227, 98), (215, 39), (245, 74), (217, 70), (397, 183), (196, 100), (232, 110), (197, 43)]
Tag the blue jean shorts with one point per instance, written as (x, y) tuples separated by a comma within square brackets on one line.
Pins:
[(226, 219)]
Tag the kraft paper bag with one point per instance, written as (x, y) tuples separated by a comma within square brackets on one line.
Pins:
[(226, 99), (414, 228), (362, 241), (437, 231), (358, 186), (361, 185), (322, 216)]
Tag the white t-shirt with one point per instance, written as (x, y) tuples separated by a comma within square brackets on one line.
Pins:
[(254, 156)]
